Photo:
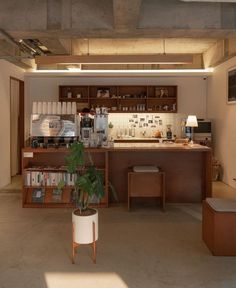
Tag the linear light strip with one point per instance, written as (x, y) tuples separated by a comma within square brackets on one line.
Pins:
[(207, 70)]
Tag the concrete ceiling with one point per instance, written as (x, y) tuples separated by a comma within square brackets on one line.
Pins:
[(106, 27)]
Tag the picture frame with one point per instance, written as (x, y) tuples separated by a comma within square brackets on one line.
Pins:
[(231, 86), (103, 93), (161, 92)]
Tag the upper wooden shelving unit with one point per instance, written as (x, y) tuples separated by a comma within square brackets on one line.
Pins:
[(122, 99)]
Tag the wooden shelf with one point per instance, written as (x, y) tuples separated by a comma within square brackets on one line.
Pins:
[(151, 96), (55, 158)]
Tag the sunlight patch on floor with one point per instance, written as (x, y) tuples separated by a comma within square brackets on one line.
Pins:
[(83, 280)]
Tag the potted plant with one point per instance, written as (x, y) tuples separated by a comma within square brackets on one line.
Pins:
[(88, 185)]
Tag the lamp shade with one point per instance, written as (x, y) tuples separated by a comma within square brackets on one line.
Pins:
[(191, 121)]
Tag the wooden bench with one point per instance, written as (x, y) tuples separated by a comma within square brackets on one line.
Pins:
[(146, 184), (219, 226)]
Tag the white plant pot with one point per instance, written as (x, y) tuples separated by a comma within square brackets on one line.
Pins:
[(83, 228)]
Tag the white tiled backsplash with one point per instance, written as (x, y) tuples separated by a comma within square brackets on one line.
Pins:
[(145, 124)]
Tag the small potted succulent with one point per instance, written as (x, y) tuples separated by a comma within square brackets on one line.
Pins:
[(88, 185)]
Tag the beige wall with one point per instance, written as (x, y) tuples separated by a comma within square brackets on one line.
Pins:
[(6, 70), (191, 89), (224, 121)]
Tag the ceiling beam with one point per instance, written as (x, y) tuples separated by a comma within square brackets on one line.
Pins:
[(222, 51), (115, 59), (131, 33)]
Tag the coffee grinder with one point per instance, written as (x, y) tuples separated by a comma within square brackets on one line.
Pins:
[(86, 128), (101, 125)]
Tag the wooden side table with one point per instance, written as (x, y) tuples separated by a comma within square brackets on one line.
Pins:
[(146, 184)]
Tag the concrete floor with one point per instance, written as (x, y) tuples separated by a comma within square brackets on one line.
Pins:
[(144, 248)]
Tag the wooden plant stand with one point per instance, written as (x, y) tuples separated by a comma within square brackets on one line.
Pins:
[(75, 245)]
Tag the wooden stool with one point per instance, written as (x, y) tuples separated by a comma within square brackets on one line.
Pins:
[(219, 226), (146, 184)]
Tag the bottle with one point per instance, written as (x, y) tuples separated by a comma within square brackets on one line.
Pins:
[(169, 132), (69, 93)]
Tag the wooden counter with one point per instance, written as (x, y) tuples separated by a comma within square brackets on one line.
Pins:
[(187, 168)]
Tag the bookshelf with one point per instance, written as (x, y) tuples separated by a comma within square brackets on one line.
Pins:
[(42, 170)]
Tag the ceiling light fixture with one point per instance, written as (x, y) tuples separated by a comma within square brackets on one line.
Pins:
[(108, 72)]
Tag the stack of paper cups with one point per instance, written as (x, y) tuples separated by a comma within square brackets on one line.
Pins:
[(63, 108), (40, 109), (73, 108), (45, 108), (35, 108), (68, 108), (59, 108), (54, 107), (49, 108)]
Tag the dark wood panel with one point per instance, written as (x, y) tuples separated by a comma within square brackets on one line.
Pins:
[(183, 172)]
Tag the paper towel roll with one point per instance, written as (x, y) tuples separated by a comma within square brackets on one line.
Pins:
[(35, 108)]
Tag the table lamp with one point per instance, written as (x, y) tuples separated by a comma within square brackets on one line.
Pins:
[(191, 122)]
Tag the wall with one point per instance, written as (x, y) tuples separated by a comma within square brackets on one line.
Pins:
[(224, 124), (191, 90), (6, 70)]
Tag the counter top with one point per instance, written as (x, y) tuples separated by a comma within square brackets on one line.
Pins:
[(159, 146), (130, 147), (137, 138)]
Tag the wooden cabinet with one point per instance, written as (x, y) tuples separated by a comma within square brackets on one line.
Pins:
[(42, 170), (123, 98)]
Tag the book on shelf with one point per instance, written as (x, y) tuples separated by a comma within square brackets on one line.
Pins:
[(38, 195), (56, 195), (46, 178)]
